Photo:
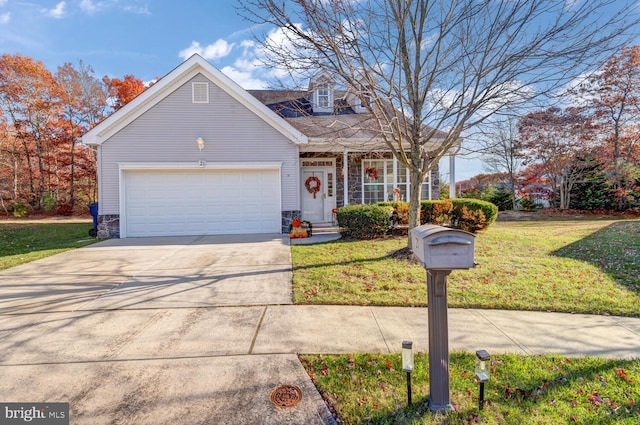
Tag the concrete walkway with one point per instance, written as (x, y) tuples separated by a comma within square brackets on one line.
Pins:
[(182, 331)]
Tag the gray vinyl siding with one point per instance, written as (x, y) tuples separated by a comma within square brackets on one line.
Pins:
[(168, 132)]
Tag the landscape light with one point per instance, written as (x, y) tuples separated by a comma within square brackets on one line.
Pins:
[(407, 365), (483, 372)]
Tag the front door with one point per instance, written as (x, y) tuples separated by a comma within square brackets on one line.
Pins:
[(318, 192)]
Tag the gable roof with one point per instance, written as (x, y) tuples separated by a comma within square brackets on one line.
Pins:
[(330, 132), (180, 75)]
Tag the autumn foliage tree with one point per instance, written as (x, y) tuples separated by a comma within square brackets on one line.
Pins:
[(43, 165), (123, 91), (613, 96), (559, 141)]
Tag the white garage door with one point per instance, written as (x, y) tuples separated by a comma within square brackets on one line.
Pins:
[(201, 202)]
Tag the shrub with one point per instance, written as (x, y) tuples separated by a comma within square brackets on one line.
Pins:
[(466, 214), (399, 212), (473, 214), (528, 204), (502, 199), (363, 221), (19, 210), (436, 212)]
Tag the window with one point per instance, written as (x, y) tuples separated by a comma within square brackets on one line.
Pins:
[(382, 176), (324, 96)]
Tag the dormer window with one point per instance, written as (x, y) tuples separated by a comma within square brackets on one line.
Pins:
[(324, 96), (321, 93), (363, 100)]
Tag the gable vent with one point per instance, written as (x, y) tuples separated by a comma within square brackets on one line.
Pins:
[(200, 92)]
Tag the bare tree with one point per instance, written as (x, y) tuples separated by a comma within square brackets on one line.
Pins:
[(502, 151), (426, 66)]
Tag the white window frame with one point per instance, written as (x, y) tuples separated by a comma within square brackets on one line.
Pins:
[(323, 96), (388, 194)]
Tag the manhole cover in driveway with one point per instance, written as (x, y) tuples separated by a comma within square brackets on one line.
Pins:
[(286, 396)]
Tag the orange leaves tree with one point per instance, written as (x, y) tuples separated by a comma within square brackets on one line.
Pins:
[(29, 97), (613, 96), (561, 143), (42, 116), (123, 91)]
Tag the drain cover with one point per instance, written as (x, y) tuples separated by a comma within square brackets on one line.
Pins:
[(286, 396)]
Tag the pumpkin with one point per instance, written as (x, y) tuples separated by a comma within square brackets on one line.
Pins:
[(291, 236), (296, 222)]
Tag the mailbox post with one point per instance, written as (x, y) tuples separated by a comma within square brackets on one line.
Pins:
[(440, 250)]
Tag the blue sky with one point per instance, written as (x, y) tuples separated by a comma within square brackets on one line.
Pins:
[(137, 37), (143, 38)]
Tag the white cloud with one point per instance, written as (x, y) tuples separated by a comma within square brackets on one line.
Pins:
[(572, 94), (90, 7), (216, 50), (5, 18), (3, 2), (245, 79), (139, 10), (57, 12)]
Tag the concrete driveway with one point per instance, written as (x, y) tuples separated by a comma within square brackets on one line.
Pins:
[(137, 273), (152, 331)]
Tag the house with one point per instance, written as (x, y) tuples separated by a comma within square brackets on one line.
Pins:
[(197, 154)]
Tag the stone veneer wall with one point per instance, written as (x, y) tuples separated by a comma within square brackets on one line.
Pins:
[(339, 192), (355, 178), (287, 217), (109, 226), (435, 183)]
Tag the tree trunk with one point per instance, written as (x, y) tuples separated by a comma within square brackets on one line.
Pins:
[(415, 189)]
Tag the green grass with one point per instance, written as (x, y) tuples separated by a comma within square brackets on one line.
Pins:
[(371, 389), (582, 266), (23, 243)]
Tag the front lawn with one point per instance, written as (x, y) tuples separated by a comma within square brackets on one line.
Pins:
[(582, 266), (541, 390), (24, 242)]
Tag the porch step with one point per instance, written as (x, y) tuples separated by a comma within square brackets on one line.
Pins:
[(318, 230)]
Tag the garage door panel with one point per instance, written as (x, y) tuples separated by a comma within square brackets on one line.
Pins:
[(201, 202)]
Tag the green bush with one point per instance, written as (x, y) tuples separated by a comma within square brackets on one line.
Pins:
[(473, 215), (436, 212), (363, 221), (502, 199), (466, 214), (528, 204), (19, 210), (399, 212)]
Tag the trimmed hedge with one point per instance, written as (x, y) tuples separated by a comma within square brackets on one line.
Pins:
[(374, 220), (473, 215), (363, 221), (467, 214), (400, 212)]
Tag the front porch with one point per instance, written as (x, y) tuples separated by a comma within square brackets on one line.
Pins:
[(330, 180)]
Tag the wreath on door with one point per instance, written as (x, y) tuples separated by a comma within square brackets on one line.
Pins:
[(313, 185)]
